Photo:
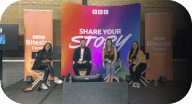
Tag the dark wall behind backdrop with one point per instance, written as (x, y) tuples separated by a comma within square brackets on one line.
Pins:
[(13, 61)]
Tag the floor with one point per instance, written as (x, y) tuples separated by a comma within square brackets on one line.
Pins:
[(163, 93)]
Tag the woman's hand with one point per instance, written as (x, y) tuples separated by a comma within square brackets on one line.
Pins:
[(106, 59), (111, 63), (134, 68), (44, 61), (130, 60), (48, 60)]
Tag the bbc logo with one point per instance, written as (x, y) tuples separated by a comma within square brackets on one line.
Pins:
[(95, 11), (0, 30), (158, 38)]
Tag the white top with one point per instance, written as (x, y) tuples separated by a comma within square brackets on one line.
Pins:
[(82, 51)]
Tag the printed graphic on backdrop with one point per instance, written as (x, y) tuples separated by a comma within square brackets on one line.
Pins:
[(9, 39), (95, 24), (158, 43), (2, 38), (38, 25)]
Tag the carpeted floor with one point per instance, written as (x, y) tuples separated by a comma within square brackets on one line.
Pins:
[(163, 93)]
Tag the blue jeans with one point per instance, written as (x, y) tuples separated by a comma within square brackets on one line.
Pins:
[(110, 69)]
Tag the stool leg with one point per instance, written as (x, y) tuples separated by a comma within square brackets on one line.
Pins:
[(42, 75), (130, 82), (145, 79), (116, 78), (143, 82), (35, 81), (48, 83), (39, 76), (105, 79)]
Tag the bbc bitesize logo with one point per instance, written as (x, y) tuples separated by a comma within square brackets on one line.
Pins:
[(100, 11)]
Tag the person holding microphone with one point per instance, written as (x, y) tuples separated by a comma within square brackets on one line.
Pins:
[(109, 56)]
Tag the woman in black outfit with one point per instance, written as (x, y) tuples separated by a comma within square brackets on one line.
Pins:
[(43, 62), (138, 63)]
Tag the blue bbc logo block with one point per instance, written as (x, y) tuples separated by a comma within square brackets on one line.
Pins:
[(2, 39)]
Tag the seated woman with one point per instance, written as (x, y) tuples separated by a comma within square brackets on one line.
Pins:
[(43, 62), (109, 55), (138, 63)]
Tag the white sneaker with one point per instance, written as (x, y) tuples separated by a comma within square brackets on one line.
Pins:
[(133, 84), (138, 85), (58, 81), (44, 86)]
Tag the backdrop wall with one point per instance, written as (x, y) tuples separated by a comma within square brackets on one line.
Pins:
[(95, 24)]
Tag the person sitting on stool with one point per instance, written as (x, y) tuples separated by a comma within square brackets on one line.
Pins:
[(138, 63), (82, 58), (44, 62), (109, 56)]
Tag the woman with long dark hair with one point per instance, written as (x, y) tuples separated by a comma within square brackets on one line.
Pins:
[(44, 62), (109, 55), (138, 63)]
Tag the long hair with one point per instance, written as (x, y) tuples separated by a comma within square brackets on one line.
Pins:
[(50, 50), (131, 52), (111, 48)]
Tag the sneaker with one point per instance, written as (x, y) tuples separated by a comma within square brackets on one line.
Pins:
[(138, 85), (133, 84), (58, 81), (44, 86)]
